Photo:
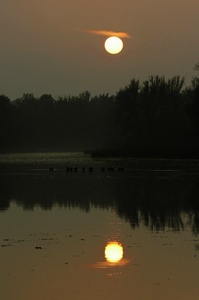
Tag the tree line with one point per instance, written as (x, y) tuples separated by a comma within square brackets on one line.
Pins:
[(156, 117), (68, 123)]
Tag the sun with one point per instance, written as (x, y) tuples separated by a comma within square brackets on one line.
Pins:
[(113, 45)]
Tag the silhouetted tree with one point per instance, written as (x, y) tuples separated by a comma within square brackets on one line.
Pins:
[(175, 106), (192, 93), (127, 112), (4, 100), (153, 114), (5, 121), (152, 96)]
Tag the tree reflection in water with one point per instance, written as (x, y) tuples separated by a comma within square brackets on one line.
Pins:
[(158, 204)]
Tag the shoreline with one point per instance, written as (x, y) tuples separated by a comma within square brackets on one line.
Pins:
[(175, 153)]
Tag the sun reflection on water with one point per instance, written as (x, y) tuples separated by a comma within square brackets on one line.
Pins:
[(114, 256), (113, 252)]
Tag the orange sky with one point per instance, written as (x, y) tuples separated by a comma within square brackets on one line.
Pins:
[(44, 48)]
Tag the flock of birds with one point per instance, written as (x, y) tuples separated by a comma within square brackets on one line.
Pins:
[(90, 169), (84, 169)]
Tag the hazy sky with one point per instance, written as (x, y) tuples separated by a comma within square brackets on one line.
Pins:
[(45, 46)]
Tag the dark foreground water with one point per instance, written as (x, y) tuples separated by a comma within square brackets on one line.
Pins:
[(105, 229)]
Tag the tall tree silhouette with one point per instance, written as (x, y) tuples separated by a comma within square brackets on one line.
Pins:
[(5, 120), (193, 106), (127, 113)]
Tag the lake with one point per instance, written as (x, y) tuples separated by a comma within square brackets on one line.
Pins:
[(73, 227)]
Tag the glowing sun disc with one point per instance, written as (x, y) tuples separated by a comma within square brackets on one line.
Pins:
[(113, 45), (113, 252)]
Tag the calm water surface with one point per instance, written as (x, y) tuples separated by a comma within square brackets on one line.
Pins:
[(100, 234)]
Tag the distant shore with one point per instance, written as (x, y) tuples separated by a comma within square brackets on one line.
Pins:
[(189, 151), (175, 153)]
